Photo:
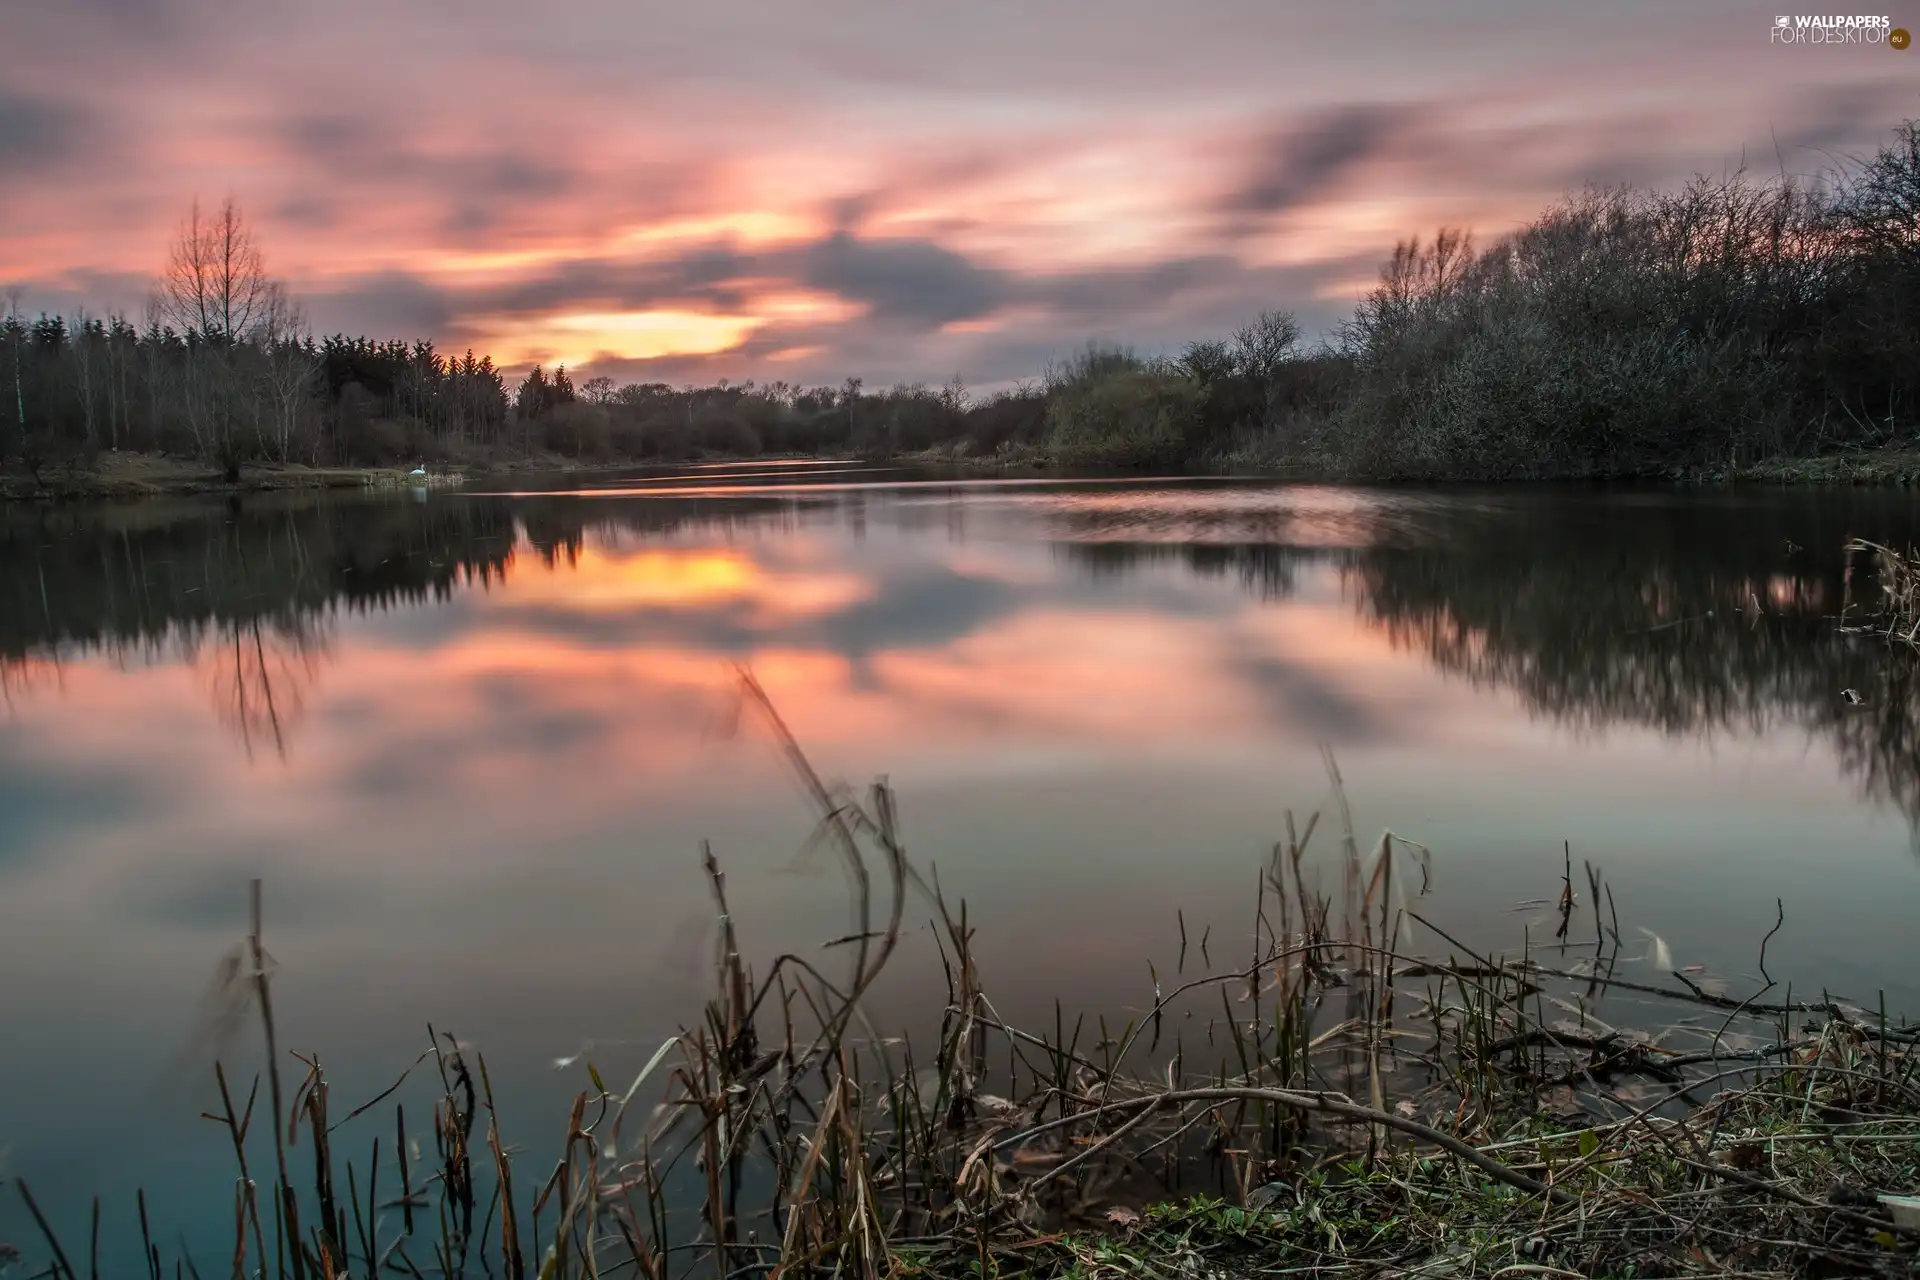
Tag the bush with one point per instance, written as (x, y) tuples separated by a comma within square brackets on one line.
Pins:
[(1010, 418), (1120, 417)]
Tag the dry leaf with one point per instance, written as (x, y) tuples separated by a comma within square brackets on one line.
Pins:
[(1405, 1108)]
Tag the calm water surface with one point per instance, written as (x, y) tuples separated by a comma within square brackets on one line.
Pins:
[(472, 741)]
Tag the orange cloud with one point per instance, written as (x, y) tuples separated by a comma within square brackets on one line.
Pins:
[(578, 338), (751, 228)]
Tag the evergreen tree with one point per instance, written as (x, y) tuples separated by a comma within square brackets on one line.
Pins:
[(534, 395)]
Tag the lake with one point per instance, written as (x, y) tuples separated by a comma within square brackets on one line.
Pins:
[(473, 740)]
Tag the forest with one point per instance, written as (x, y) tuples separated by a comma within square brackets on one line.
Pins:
[(1623, 332)]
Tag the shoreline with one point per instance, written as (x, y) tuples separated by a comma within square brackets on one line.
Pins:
[(125, 476), (129, 476), (1877, 468)]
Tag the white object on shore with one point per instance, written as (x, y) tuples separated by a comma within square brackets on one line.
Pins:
[(1904, 1209)]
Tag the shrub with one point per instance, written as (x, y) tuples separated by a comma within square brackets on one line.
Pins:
[(1012, 417), (1125, 417)]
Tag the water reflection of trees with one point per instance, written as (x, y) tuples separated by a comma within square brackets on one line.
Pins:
[(1694, 616), (244, 594), (1707, 615), (557, 528), (247, 594), (1687, 625), (259, 676), (131, 577), (1267, 571)]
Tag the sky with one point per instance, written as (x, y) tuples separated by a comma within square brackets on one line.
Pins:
[(807, 190)]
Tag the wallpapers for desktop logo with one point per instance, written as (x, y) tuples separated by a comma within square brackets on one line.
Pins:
[(1838, 29)]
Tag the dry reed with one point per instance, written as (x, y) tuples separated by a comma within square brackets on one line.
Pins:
[(1894, 612)]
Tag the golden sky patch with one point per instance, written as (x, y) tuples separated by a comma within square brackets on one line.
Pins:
[(577, 338), (748, 227)]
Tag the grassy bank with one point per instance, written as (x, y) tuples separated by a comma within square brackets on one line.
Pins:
[(1885, 467), (114, 474), (139, 475), (1353, 1092), (1893, 466)]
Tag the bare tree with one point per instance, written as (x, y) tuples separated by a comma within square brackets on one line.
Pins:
[(119, 342), (1262, 350), (215, 290), (86, 372), (954, 397), (1208, 362), (215, 285), (17, 329), (1264, 345), (288, 369)]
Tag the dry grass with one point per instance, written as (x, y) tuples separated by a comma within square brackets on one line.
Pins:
[(1328, 1104), (1884, 466), (397, 479), (1893, 610), (145, 475)]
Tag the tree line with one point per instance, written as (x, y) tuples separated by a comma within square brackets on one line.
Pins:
[(1622, 332)]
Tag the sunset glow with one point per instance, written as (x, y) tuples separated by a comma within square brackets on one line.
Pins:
[(579, 339), (686, 543), (611, 580), (673, 194)]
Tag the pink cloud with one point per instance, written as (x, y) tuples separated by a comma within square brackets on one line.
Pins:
[(959, 190)]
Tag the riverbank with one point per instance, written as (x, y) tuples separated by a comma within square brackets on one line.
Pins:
[(115, 475), (1772, 1186), (1890, 467), (1894, 466)]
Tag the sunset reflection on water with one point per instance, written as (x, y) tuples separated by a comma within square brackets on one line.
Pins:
[(473, 747)]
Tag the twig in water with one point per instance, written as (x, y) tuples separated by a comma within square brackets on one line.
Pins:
[(1780, 918)]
